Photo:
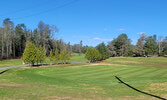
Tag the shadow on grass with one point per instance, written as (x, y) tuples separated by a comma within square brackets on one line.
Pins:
[(46, 64), (4, 71), (139, 90)]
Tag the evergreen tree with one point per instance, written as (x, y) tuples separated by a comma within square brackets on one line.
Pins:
[(51, 56), (29, 55), (42, 54), (57, 56), (121, 44), (103, 51), (64, 56), (150, 46)]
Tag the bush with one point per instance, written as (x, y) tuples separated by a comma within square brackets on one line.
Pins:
[(92, 55), (161, 54)]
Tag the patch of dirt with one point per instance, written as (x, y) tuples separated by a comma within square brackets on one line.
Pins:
[(73, 98), (158, 86), (84, 84), (9, 85), (62, 98)]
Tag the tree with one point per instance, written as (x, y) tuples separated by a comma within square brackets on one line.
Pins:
[(69, 48), (111, 48), (121, 44), (51, 56), (164, 51), (92, 54), (57, 56), (41, 54), (20, 43), (80, 48), (103, 51), (7, 38), (64, 56), (30, 53), (150, 46), (161, 45), (139, 49)]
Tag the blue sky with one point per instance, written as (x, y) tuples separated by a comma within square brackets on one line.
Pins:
[(92, 21)]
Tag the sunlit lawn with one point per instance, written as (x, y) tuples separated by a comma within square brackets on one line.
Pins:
[(88, 81)]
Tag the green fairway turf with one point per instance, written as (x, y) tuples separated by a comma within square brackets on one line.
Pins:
[(11, 62), (92, 81)]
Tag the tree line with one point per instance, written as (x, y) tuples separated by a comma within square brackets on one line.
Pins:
[(14, 39), (121, 46), (146, 46)]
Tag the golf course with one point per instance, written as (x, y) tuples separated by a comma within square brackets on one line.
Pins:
[(87, 81)]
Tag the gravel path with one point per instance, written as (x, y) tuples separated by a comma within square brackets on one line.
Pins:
[(10, 67)]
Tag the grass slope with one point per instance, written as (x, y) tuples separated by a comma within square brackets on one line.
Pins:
[(91, 81)]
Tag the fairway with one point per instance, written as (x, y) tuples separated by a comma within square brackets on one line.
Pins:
[(88, 81)]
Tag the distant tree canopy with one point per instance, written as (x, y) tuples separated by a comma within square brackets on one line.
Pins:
[(121, 46)]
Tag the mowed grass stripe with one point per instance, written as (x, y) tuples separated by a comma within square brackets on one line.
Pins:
[(139, 72), (164, 74), (102, 72), (144, 71), (146, 74), (83, 73), (97, 74), (155, 73), (80, 71), (68, 70), (109, 73), (126, 72)]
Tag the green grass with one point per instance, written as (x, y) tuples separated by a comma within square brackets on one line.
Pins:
[(75, 58), (88, 81), (14, 62)]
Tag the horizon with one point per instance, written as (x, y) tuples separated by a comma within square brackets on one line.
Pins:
[(92, 21)]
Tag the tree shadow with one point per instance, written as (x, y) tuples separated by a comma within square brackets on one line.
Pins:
[(4, 71), (120, 81)]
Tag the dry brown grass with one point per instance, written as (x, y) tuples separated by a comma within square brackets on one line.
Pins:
[(10, 85)]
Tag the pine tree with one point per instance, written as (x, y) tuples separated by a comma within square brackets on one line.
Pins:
[(57, 56), (64, 56), (51, 56), (42, 54), (29, 55), (150, 46), (103, 51)]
